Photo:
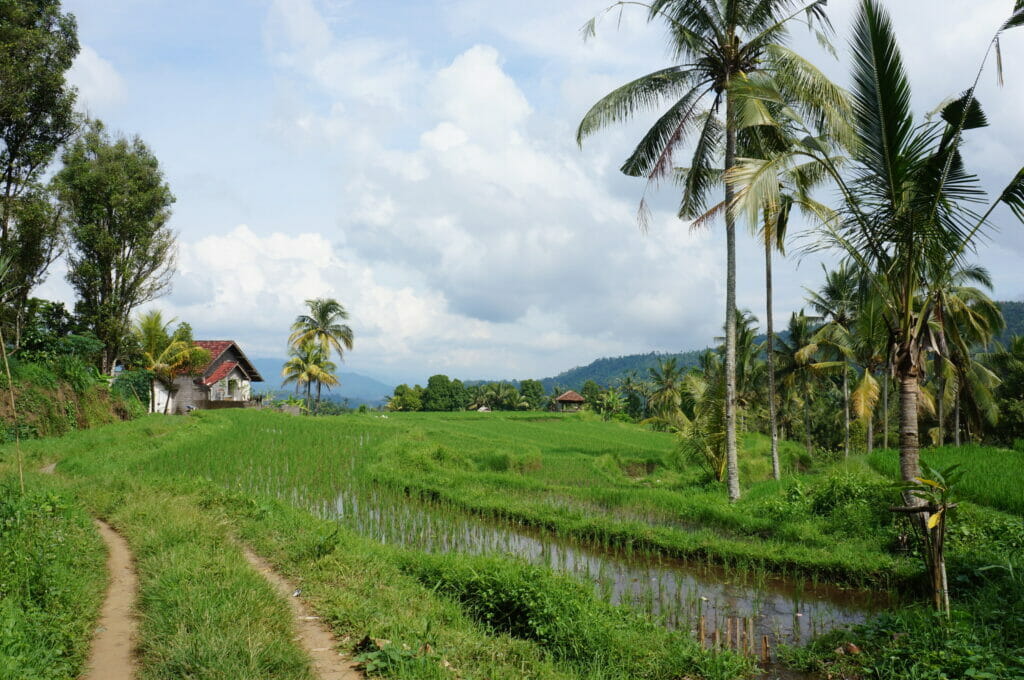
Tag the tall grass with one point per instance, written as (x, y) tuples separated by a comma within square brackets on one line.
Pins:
[(52, 580), (992, 476)]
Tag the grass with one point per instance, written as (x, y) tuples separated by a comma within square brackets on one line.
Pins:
[(52, 581), (195, 591), (275, 481), (992, 476)]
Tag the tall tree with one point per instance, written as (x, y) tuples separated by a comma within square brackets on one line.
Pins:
[(309, 364), (38, 44), (906, 212), (323, 324), (718, 44), (837, 303), (122, 252)]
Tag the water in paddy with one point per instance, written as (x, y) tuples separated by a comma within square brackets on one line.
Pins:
[(676, 592)]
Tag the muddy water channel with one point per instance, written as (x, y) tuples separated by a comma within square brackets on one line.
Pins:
[(675, 592)]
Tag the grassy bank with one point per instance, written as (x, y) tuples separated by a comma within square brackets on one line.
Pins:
[(52, 580)]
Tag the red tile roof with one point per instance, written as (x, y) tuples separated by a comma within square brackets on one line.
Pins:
[(571, 396), (215, 348), (222, 371)]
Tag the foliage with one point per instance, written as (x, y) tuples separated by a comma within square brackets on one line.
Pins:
[(122, 252), (38, 44), (51, 583)]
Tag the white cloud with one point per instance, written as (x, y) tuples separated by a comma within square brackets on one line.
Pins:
[(99, 84)]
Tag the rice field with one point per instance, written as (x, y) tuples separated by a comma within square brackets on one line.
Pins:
[(992, 476)]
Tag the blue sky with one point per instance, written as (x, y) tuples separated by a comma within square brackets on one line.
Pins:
[(416, 161)]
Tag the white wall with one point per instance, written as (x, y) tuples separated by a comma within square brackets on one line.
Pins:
[(163, 401)]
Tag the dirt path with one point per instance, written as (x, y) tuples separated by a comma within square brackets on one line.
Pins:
[(316, 638), (112, 655)]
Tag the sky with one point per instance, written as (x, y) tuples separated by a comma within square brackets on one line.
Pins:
[(417, 161)]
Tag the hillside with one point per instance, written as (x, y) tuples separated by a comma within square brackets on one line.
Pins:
[(606, 371)]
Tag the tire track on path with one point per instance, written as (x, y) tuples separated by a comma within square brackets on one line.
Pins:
[(112, 652), (315, 637)]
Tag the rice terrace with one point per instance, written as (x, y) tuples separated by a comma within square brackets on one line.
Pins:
[(240, 454)]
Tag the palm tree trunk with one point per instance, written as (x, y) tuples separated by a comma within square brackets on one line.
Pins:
[(886, 379), (731, 454), (909, 442), (846, 408), (871, 431), (956, 419), (14, 414), (318, 386), (807, 425), (773, 424), (941, 400), (152, 395)]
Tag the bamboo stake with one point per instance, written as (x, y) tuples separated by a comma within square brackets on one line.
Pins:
[(14, 412), (701, 632), (728, 632)]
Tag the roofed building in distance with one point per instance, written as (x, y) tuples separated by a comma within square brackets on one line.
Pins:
[(225, 382), (570, 401)]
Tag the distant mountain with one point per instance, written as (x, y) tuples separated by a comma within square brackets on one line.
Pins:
[(354, 387), (607, 370), (1013, 313)]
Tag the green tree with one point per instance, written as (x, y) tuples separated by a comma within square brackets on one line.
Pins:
[(166, 356), (906, 213), (836, 303), (122, 252), (406, 398), (439, 395), (1008, 363), (591, 391), (533, 393), (323, 324), (719, 44), (38, 45), (666, 385), (309, 364)]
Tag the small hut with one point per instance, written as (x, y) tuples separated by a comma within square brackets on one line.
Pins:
[(570, 401)]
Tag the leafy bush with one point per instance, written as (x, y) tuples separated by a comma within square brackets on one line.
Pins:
[(133, 385)]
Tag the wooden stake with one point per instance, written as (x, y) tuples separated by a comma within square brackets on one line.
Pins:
[(717, 643), (749, 648), (766, 652), (728, 632), (701, 632)]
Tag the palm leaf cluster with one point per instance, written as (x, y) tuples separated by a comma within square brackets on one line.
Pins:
[(315, 337)]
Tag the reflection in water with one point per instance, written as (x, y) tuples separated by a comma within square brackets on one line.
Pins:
[(675, 592)]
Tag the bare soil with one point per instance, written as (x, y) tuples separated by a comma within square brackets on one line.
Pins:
[(315, 637)]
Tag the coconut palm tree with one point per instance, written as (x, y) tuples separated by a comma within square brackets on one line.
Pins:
[(965, 319), (799, 370), (666, 381), (164, 354), (323, 324), (837, 303), (718, 44), (152, 332), (906, 212), (308, 364)]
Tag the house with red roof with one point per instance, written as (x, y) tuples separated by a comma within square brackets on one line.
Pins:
[(224, 382)]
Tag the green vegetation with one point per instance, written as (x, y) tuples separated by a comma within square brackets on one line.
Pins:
[(180, 487), (51, 582), (992, 476)]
